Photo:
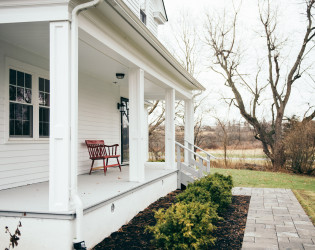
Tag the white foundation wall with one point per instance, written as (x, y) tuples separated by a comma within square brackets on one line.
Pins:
[(107, 221), (27, 161)]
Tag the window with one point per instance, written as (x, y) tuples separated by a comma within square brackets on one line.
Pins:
[(21, 108), (44, 103), (28, 103), (143, 17)]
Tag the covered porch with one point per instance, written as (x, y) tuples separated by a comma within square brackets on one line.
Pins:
[(43, 179)]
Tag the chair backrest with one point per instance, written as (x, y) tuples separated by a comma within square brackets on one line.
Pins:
[(94, 150)]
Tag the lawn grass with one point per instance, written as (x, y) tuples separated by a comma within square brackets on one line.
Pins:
[(302, 186), (307, 200), (250, 178)]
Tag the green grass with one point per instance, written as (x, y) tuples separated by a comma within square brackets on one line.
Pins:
[(302, 186), (307, 200), (250, 178)]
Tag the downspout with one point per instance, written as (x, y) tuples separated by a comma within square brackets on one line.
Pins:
[(78, 241)]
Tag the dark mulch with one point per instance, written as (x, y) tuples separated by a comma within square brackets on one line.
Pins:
[(229, 233)]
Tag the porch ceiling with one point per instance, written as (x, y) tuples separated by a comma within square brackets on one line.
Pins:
[(94, 59)]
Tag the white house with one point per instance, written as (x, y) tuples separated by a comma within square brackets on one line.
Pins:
[(59, 61)]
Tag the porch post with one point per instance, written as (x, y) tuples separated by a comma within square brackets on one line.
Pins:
[(170, 129), (189, 127), (59, 145), (136, 121)]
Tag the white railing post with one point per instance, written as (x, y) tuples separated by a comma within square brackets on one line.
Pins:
[(208, 164), (178, 167)]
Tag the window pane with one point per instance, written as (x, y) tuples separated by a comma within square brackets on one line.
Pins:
[(40, 129), (18, 111), (12, 77), (41, 97), (12, 110), (47, 101), (20, 79), (45, 115), (28, 81), (45, 129), (28, 95), (18, 127), (20, 94), (47, 87), (26, 112), (11, 127), (26, 128), (41, 84), (12, 93)]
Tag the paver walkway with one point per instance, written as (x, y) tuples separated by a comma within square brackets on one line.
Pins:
[(276, 220)]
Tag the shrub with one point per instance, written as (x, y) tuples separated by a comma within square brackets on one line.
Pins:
[(185, 226), (194, 194), (299, 143), (219, 187)]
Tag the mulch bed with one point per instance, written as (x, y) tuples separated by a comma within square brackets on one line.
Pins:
[(229, 233)]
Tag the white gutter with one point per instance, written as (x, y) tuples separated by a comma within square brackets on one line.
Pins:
[(74, 117)]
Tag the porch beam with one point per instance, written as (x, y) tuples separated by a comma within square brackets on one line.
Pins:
[(189, 127), (59, 145), (136, 121), (33, 11), (170, 129)]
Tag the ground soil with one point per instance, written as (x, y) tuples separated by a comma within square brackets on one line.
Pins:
[(229, 232)]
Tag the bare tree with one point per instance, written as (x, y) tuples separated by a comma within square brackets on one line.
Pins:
[(187, 53), (221, 38)]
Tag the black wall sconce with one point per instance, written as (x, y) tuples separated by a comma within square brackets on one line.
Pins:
[(120, 76)]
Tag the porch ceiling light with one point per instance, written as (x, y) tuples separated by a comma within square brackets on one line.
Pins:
[(120, 76)]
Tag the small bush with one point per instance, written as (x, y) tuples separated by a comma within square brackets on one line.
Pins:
[(219, 187), (194, 194), (185, 226), (299, 143)]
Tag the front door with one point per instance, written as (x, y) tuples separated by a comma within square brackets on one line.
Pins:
[(124, 111)]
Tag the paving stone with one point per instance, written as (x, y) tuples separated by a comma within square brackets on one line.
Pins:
[(291, 245), (306, 232), (283, 239), (289, 229), (256, 246), (276, 220), (301, 240), (309, 246), (288, 234), (249, 239), (267, 240)]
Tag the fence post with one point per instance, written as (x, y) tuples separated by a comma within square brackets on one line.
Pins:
[(178, 167)]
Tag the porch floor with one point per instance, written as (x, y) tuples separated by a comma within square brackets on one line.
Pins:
[(93, 189)]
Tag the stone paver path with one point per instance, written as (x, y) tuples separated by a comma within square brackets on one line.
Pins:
[(276, 220)]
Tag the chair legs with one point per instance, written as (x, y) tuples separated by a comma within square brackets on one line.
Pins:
[(91, 167), (118, 163), (105, 168)]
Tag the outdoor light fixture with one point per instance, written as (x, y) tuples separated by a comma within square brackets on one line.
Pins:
[(120, 75)]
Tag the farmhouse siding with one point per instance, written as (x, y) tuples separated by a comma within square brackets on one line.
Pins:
[(26, 162)]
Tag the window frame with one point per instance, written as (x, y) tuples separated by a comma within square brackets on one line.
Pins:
[(36, 72), (143, 14)]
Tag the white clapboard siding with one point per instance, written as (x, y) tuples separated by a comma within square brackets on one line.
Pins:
[(25, 163), (151, 23), (98, 116), (134, 5)]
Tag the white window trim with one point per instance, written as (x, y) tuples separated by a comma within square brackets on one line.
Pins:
[(36, 72)]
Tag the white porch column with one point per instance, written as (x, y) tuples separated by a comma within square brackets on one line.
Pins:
[(136, 121), (189, 126), (59, 146), (170, 129)]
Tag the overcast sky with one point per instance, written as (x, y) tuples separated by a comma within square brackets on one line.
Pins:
[(291, 25)]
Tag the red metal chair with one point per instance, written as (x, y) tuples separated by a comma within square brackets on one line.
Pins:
[(99, 151)]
